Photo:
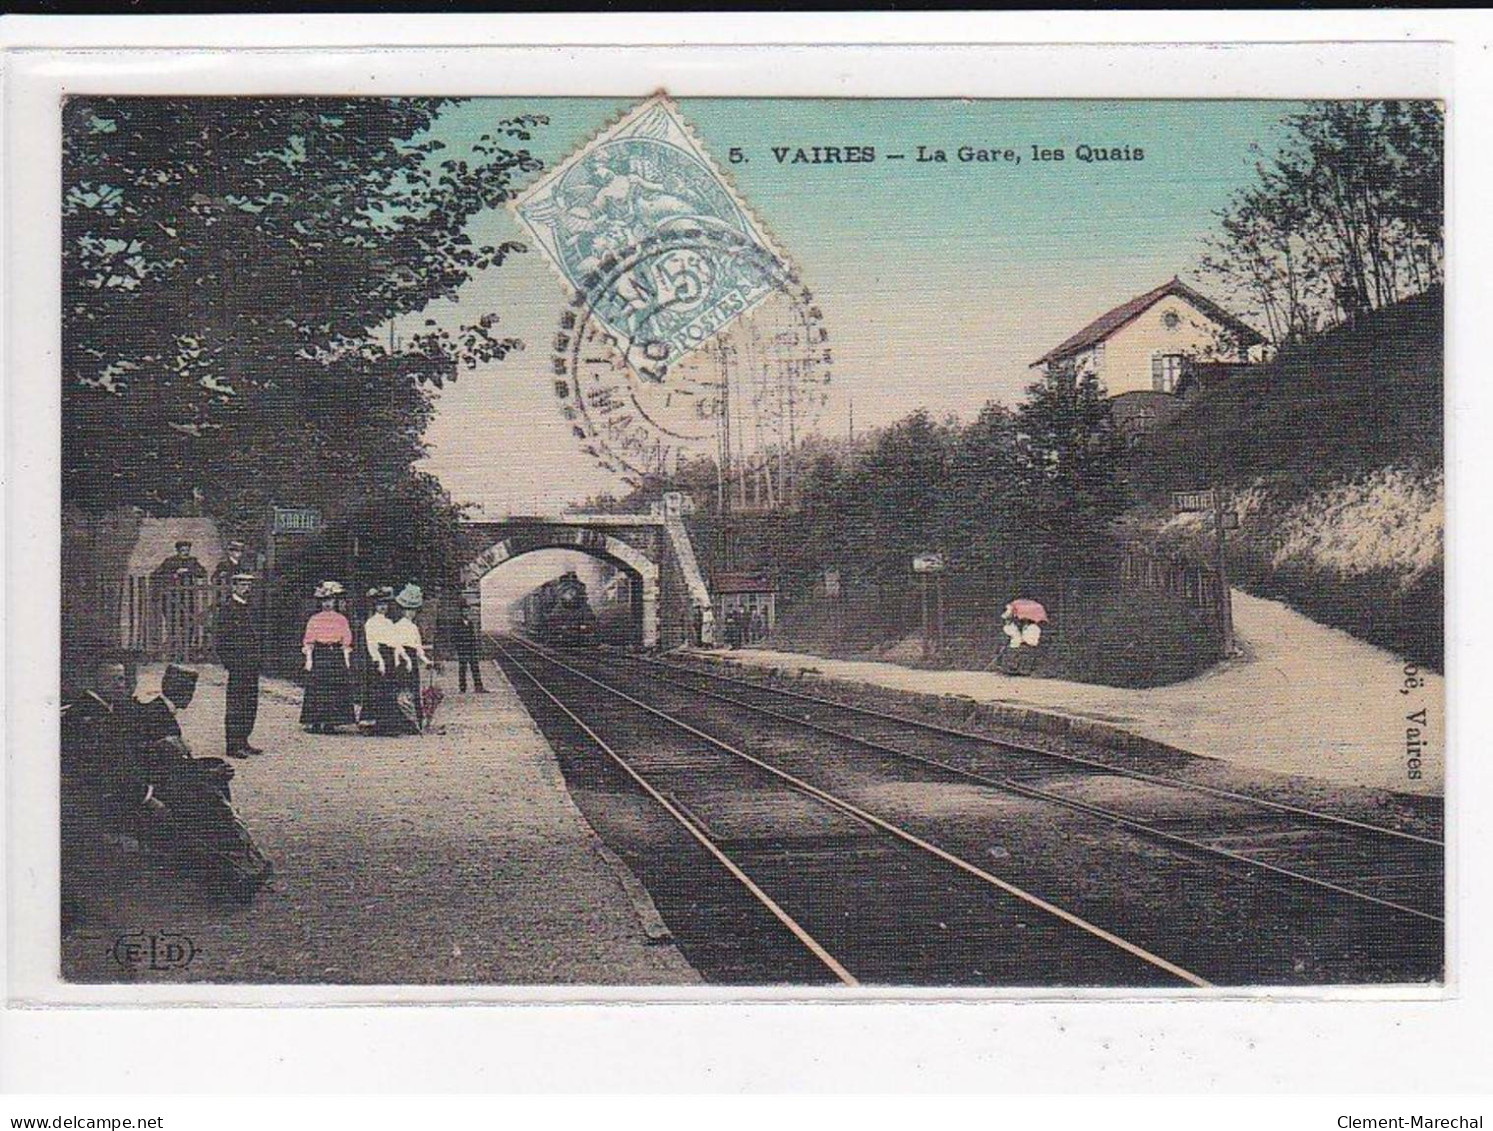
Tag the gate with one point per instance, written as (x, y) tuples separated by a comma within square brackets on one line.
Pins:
[(163, 619), (1192, 581)]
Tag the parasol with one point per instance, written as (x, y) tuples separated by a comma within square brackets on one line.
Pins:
[(1024, 608)]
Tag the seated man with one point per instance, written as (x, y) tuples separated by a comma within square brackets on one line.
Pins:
[(99, 796), (97, 736), (162, 758), (188, 798)]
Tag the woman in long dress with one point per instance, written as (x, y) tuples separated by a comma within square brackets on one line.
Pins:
[(327, 645), (412, 657), (378, 700)]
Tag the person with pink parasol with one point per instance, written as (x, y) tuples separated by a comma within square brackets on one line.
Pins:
[(1021, 623)]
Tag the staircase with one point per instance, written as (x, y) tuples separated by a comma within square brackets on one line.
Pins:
[(699, 592)]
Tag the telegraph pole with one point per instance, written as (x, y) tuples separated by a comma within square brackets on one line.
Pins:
[(927, 643), (1225, 594)]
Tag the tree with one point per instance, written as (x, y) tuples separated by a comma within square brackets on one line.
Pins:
[(981, 514), (1345, 218), (230, 271), (893, 496), (1069, 458)]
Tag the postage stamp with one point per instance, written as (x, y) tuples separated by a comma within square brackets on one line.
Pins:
[(623, 221), (1021, 571)]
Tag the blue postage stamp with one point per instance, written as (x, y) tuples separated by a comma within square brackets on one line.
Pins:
[(647, 232)]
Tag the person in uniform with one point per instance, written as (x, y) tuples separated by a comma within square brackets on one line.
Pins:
[(182, 566), (232, 563), (180, 605), (155, 719), (162, 762), (238, 651), (465, 639), (327, 645)]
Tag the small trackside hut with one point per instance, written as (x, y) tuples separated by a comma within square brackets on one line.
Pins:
[(746, 606)]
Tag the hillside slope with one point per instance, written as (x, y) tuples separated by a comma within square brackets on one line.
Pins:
[(1333, 458)]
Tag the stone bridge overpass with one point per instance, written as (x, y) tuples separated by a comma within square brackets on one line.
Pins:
[(654, 550)]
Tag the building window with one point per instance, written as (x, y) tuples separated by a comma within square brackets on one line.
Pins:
[(1166, 372), (1171, 320)]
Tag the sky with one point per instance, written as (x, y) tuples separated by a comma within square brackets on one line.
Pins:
[(940, 283)]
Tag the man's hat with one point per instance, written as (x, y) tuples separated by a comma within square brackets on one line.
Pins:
[(242, 577), (178, 684), (410, 597)]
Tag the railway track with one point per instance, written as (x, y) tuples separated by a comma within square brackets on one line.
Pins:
[(1348, 858), (868, 899), (1173, 879)]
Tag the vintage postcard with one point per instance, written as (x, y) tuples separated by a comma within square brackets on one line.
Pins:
[(963, 544)]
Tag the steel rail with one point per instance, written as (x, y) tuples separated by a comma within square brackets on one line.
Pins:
[(1137, 826), (900, 833), (809, 942), (1076, 759)]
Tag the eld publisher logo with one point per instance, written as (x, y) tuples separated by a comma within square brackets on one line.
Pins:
[(137, 950)]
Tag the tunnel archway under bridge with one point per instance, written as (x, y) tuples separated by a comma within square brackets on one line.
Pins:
[(639, 545)]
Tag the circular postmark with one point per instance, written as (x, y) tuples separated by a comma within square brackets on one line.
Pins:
[(696, 341)]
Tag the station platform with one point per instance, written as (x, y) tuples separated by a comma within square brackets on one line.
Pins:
[(1300, 699), (450, 857)]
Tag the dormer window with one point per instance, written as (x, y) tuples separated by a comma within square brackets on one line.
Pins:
[(1171, 320)]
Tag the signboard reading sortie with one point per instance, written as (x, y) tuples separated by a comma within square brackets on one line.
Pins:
[(927, 563), (294, 520), (1185, 501)]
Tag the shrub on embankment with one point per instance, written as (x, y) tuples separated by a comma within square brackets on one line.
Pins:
[(1332, 458), (1363, 555), (1096, 635)]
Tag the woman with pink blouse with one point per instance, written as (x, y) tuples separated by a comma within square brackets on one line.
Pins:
[(328, 647)]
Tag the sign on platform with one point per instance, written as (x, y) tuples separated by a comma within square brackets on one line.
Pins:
[(295, 520), (927, 563), (1185, 501)]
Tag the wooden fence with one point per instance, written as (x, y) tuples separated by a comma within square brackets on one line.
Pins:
[(161, 618), (1192, 581)]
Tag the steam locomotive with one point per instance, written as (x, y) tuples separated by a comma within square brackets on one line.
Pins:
[(558, 613)]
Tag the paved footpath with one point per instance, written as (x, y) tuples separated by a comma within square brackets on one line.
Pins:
[(445, 858), (1300, 699)]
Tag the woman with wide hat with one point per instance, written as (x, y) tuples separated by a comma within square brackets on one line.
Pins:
[(409, 658), (327, 645)]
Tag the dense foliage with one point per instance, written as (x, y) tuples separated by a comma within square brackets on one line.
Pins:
[(230, 270), (1025, 495)]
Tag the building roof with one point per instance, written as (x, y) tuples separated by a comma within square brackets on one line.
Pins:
[(1110, 322), (743, 583)]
